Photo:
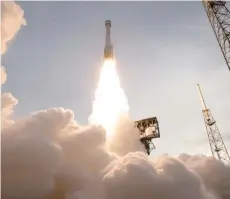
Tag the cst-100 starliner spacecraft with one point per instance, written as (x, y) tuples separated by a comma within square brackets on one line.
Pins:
[(108, 51)]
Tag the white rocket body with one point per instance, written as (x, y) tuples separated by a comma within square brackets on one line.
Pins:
[(108, 50)]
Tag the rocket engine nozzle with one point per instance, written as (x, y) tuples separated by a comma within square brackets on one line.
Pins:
[(108, 52)]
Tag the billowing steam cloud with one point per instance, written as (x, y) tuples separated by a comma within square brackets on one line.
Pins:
[(11, 21), (3, 75), (47, 155)]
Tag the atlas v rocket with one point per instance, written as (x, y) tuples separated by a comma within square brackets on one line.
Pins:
[(108, 50)]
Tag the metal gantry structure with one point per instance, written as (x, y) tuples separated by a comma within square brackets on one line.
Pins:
[(219, 17), (218, 148), (149, 130)]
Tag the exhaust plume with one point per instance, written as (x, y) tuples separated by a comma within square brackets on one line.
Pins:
[(48, 155), (110, 101)]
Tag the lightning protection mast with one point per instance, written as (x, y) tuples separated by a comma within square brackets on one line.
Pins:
[(216, 142), (219, 17)]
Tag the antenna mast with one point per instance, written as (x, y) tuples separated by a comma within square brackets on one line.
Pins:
[(219, 17), (216, 142)]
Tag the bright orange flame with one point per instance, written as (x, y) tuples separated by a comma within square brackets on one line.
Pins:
[(110, 100)]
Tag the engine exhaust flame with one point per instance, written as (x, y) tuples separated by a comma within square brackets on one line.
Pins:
[(110, 100)]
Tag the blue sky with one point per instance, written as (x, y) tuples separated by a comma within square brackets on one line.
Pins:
[(162, 49)]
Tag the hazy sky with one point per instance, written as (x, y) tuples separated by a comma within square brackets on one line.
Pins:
[(162, 49)]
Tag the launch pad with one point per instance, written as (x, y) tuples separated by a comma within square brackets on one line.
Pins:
[(149, 130)]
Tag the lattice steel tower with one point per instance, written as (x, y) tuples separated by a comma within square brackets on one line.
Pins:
[(219, 17), (216, 142)]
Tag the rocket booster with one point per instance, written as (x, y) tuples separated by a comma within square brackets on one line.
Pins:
[(108, 50)]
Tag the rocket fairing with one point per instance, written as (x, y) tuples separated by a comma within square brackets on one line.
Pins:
[(108, 50)]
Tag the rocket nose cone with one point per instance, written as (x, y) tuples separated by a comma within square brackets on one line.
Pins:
[(108, 22)]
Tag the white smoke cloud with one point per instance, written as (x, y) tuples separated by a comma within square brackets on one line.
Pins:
[(30, 157), (47, 155), (135, 176), (37, 150), (214, 174), (125, 139), (12, 18), (3, 75), (7, 103)]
